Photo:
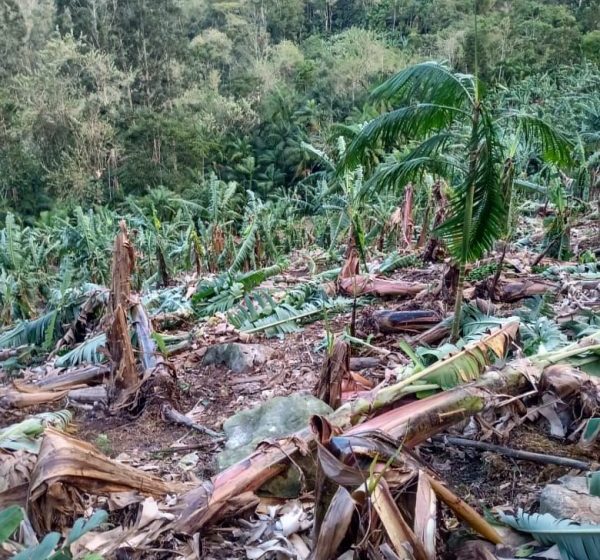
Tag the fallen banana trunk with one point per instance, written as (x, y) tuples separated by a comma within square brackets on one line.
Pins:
[(417, 421), (67, 467), (15, 398), (365, 284), (390, 482), (52, 388), (85, 375), (432, 335), (7, 353), (411, 423), (404, 321), (509, 291)]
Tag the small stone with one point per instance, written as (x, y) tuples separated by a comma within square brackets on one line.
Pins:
[(276, 418), (239, 358), (570, 499)]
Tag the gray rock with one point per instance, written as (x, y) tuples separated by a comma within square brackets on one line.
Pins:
[(274, 419), (239, 358), (570, 499)]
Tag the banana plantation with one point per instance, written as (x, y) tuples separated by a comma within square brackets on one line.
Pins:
[(259, 301)]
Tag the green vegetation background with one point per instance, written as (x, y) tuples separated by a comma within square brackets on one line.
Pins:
[(103, 99)]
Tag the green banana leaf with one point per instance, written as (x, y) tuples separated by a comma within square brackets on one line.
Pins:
[(10, 519), (25, 435), (574, 541)]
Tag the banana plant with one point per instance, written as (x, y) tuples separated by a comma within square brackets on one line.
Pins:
[(24, 275), (216, 229), (452, 132), (340, 199), (558, 237)]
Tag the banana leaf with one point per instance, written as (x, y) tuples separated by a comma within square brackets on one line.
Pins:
[(67, 468), (10, 519), (335, 525), (406, 544), (591, 432), (574, 541), (593, 482), (468, 364), (24, 435), (88, 351)]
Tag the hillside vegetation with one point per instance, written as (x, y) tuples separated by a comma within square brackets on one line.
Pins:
[(262, 261), (214, 126)]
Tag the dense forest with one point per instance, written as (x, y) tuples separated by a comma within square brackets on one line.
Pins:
[(101, 100), (318, 279)]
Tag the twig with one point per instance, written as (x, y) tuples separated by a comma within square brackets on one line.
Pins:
[(175, 416), (169, 450), (518, 397), (543, 253), (515, 453), (492, 290)]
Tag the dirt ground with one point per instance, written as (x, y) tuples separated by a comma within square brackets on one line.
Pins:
[(175, 453), (485, 480)]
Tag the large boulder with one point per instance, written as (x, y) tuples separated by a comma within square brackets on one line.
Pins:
[(571, 499), (276, 418), (239, 358)]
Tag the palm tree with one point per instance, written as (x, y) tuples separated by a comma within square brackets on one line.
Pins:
[(450, 130)]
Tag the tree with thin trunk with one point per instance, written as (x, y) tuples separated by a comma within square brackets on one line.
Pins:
[(448, 129)]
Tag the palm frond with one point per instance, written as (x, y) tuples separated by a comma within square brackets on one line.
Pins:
[(489, 211), (425, 158), (555, 147), (412, 122), (427, 82), (575, 541), (319, 155)]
